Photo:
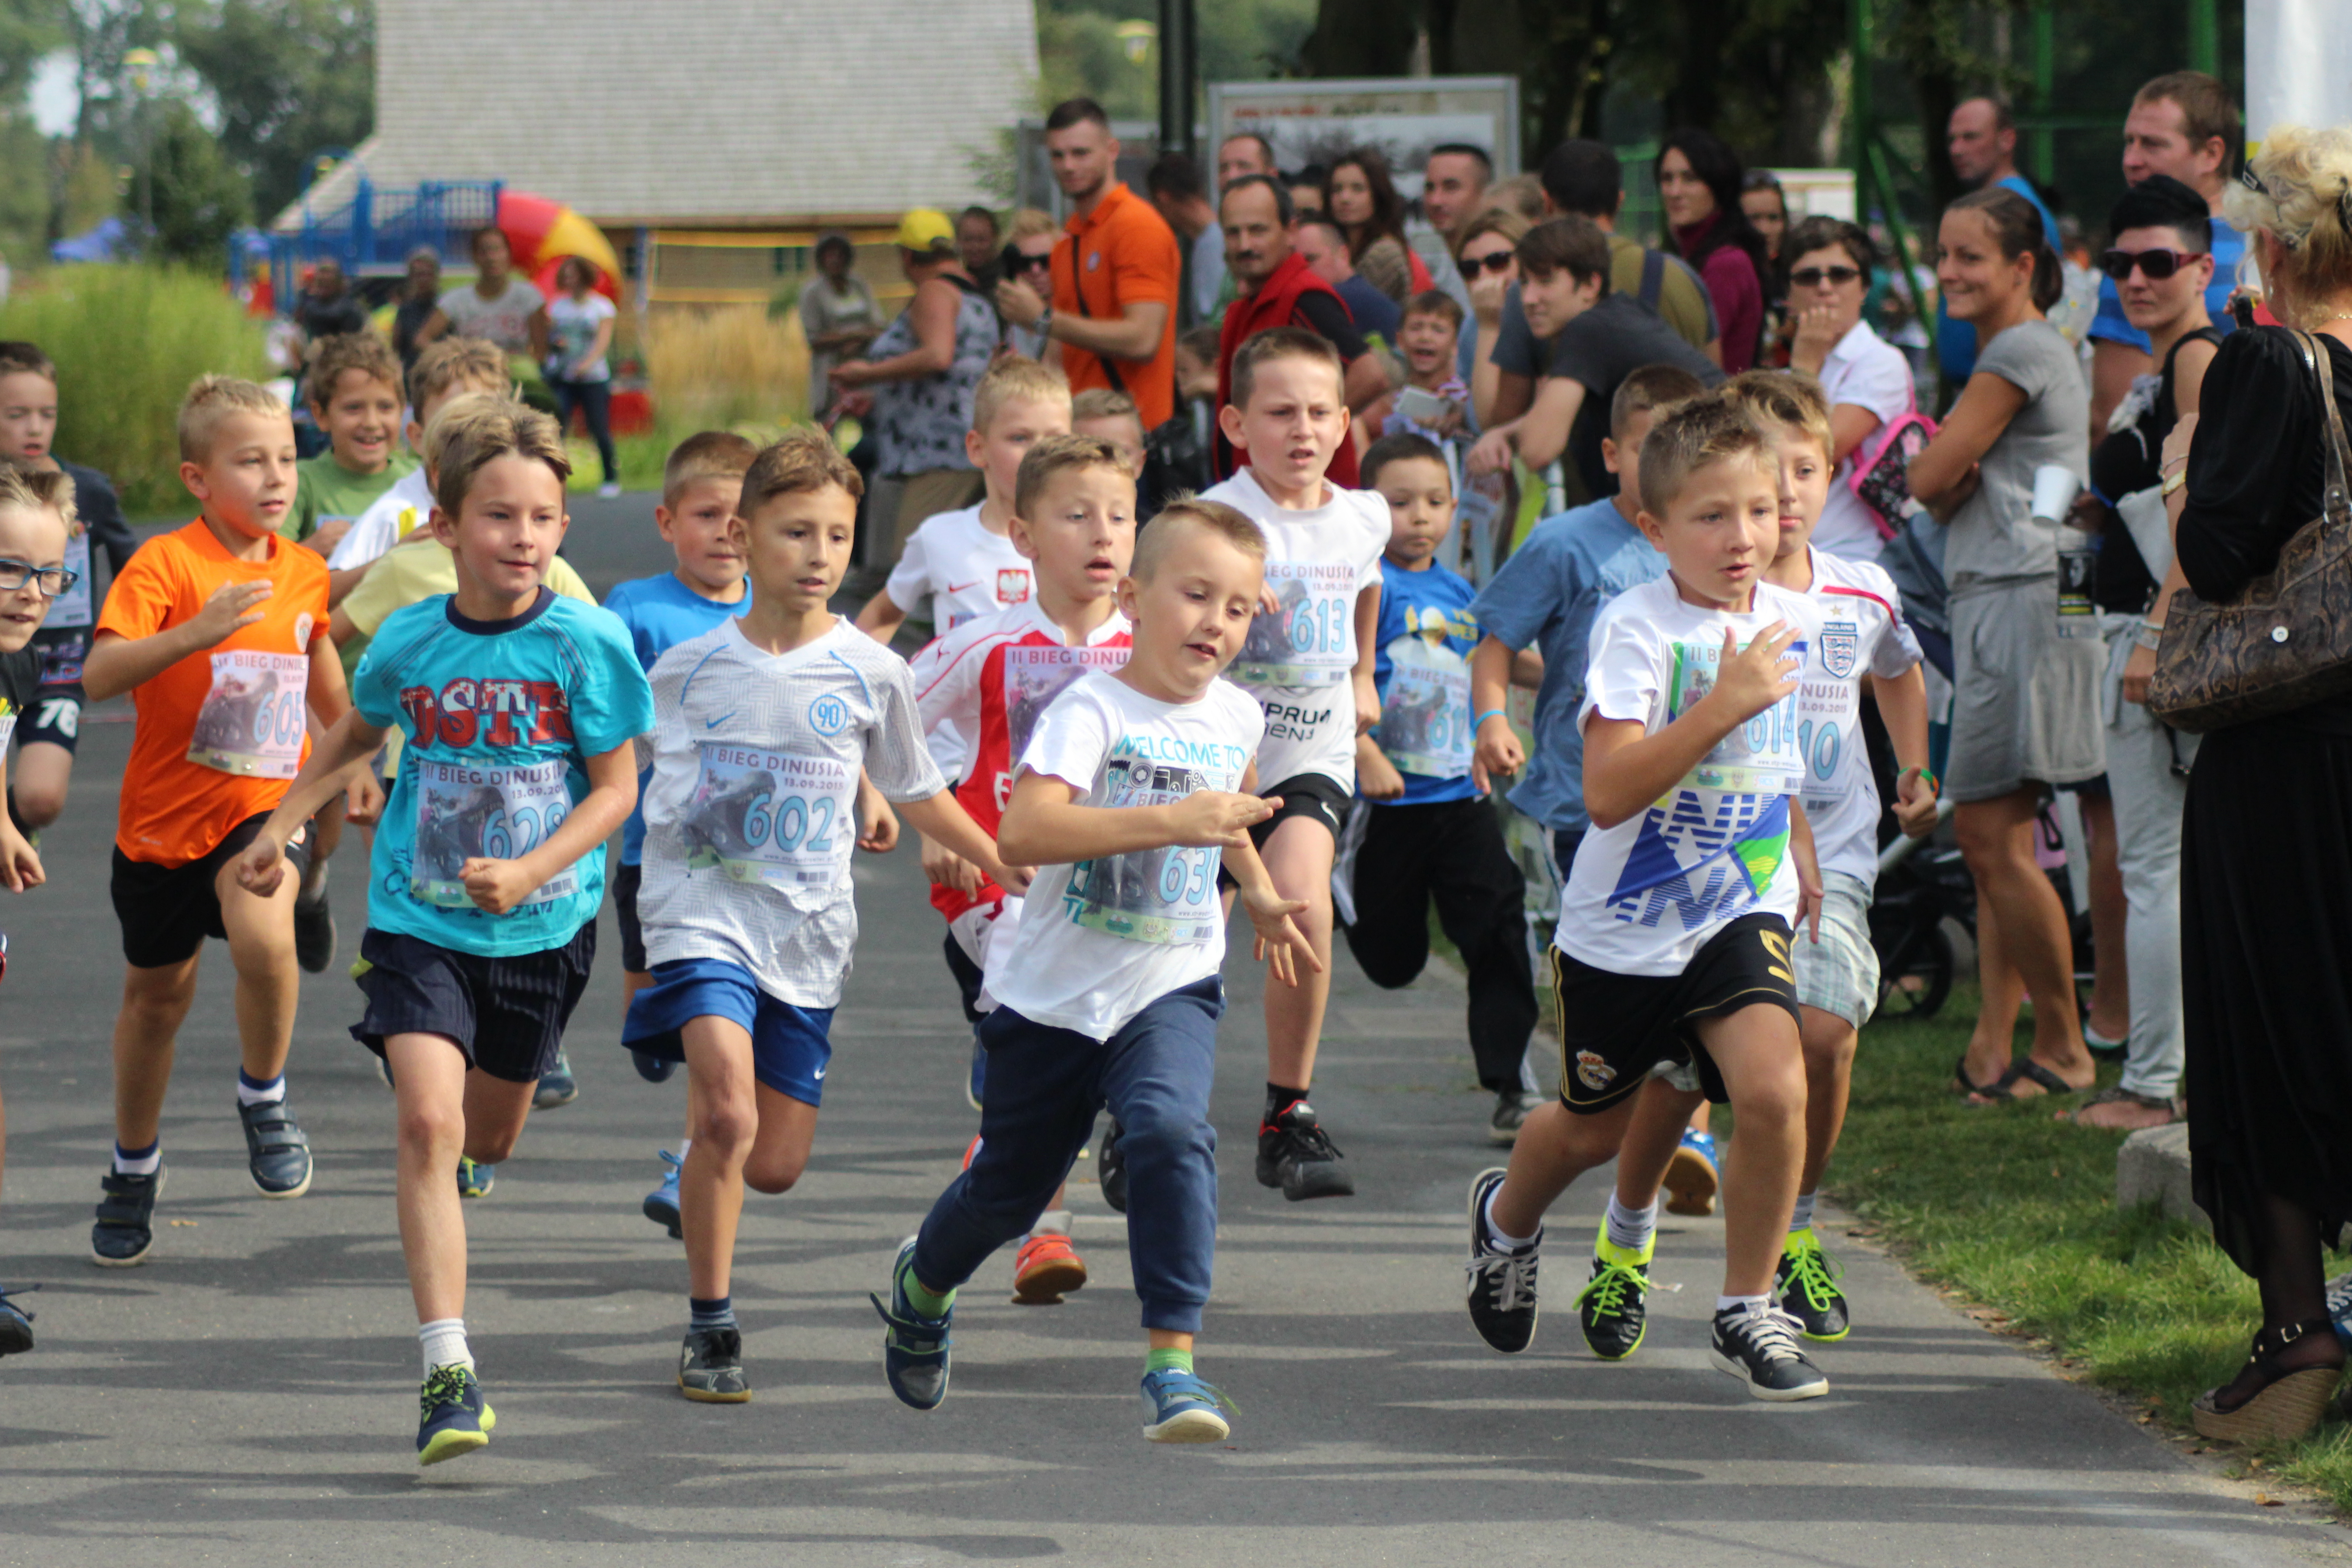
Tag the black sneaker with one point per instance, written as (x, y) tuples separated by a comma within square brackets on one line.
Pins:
[(1758, 1346), (1614, 1305), (1296, 1155), (1807, 1287), (1110, 1167), (314, 932), (15, 1323), (710, 1367), (276, 1152), (125, 1231), (1502, 1286), (1511, 1107)]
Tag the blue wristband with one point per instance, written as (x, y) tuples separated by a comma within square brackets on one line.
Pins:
[(1482, 718)]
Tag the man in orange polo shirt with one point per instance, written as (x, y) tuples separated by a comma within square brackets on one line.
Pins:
[(1112, 323)]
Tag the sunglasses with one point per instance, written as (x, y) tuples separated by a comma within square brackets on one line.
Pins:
[(1033, 263), (1497, 261), (2158, 265), (1812, 277)]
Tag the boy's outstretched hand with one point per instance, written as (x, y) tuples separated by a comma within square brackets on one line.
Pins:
[(232, 607), (1752, 678), (1279, 943), (1212, 819)]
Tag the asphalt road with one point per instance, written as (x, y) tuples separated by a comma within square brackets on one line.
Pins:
[(249, 1395)]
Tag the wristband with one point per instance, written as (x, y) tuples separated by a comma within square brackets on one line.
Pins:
[(2173, 481), (1935, 785), (2148, 635), (1480, 719)]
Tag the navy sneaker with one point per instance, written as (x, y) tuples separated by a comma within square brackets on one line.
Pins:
[(914, 1348), (710, 1367), (1758, 1346), (455, 1418), (556, 1086), (976, 1078), (1110, 1167), (125, 1231), (474, 1179), (276, 1152), (653, 1069), (1178, 1407), (314, 932), (661, 1204), (1502, 1282), (15, 1323)]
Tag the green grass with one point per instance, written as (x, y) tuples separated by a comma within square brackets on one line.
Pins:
[(2016, 1210)]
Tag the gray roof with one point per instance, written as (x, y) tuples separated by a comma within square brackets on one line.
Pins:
[(697, 111)]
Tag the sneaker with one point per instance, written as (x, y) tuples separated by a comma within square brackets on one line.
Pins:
[(15, 1323), (1110, 1167), (474, 1180), (1502, 1286), (653, 1069), (456, 1419), (1178, 1407), (1691, 1177), (1047, 1268), (1511, 1107), (314, 932), (1295, 1154), (661, 1204), (710, 1367), (976, 1076), (556, 1086), (1758, 1346), (1807, 1288), (914, 1348), (125, 1229), (609, 490), (1614, 1305), (276, 1154)]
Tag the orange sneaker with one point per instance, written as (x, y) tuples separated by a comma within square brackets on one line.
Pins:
[(1045, 1268)]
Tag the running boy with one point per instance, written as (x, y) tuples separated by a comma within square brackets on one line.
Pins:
[(1109, 994), (218, 631), (763, 727), (521, 709), (447, 369), (1429, 832), (1110, 417), (1675, 928), (702, 481), (1074, 519), (1863, 639), (1309, 661), (37, 520), (354, 385), (46, 742)]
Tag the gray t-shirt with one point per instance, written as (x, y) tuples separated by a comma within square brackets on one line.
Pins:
[(1994, 536), (504, 319)]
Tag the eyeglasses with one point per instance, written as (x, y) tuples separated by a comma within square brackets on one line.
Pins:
[(1812, 277), (2158, 265), (1497, 261), (54, 580), (1034, 263)]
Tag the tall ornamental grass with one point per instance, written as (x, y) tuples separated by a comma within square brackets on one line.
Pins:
[(127, 340), (722, 367)]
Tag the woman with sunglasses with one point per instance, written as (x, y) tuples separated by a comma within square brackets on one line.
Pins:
[(1866, 378), (1489, 258), (2161, 262), (1029, 259)]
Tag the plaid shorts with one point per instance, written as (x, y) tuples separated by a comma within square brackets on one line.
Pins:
[(1839, 973)]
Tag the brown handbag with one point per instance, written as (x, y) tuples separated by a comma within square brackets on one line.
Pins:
[(2286, 641)]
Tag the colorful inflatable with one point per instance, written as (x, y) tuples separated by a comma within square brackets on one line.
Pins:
[(543, 231)]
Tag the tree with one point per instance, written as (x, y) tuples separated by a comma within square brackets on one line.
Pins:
[(293, 77), (201, 198)]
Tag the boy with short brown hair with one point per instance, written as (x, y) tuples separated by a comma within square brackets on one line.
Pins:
[(354, 387)]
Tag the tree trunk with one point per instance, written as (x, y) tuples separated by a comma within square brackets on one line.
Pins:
[(1361, 38)]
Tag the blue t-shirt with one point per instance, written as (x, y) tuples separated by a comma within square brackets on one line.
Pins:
[(1547, 593), (500, 717), (661, 612), (1423, 670), (1955, 341), (2112, 326), (1375, 314)]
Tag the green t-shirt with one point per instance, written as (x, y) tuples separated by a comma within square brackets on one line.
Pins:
[(325, 491)]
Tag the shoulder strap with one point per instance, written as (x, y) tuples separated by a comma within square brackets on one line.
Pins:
[(1654, 277), (2337, 500), (1078, 287)]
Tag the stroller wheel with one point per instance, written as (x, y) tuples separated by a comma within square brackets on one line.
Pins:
[(1915, 986)]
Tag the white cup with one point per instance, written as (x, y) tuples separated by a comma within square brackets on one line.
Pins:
[(2053, 491)]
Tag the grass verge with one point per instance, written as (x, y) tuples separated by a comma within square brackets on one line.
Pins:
[(2016, 1210)]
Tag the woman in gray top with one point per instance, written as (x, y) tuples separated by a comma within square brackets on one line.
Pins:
[(2026, 708)]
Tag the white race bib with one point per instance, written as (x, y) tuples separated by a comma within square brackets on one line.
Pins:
[(1762, 756), (1147, 895), (71, 608), (771, 816), (1310, 641), (1425, 716), (1035, 676), (251, 722), (467, 811)]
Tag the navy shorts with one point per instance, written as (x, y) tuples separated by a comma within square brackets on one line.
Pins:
[(626, 879), (1613, 1028), (507, 1014), (791, 1047), (166, 912)]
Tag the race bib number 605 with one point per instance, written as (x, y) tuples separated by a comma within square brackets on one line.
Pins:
[(251, 722)]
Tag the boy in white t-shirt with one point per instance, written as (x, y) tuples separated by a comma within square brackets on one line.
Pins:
[(761, 727), (1675, 925), (1863, 639), (1135, 784), (1309, 662)]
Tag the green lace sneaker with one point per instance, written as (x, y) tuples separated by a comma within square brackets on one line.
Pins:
[(474, 1180), (454, 1418), (1614, 1305), (1807, 1286)]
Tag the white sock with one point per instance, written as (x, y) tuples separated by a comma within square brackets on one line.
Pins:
[(1802, 1217), (685, 1147), (1495, 1232), (1737, 1303), (314, 880), (1053, 1222), (1631, 1228), (146, 1165), (443, 1340), (251, 1091)]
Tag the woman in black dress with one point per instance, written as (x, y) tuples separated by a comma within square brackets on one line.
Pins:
[(2266, 890)]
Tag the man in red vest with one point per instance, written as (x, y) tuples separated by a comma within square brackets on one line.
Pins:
[(1277, 288)]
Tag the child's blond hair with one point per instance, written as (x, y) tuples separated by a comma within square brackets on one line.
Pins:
[(706, 454), (449, 362), (1011, 377), (1102, 403), (38, 490), (331, 357), (1183, 515), (1691, 436), (1788, 397), (212, 398), (467, 439), (1055, 455)]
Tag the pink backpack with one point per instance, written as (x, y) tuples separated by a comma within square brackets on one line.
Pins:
[(1879, 479)]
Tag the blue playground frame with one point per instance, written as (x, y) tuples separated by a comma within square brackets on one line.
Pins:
[(372, 234)]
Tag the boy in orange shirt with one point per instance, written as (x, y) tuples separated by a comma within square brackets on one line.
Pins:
[(218, 630)]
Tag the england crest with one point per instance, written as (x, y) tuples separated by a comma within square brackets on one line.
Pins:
[(1841, 645)]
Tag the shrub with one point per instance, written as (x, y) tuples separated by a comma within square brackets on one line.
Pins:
[(127, 340)]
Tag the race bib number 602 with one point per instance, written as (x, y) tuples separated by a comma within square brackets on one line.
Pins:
[(771, 816)]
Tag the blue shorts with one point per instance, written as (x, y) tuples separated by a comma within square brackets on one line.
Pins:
[(790, 1050)]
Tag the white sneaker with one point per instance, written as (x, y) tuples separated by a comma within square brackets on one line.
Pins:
[(608, 489)]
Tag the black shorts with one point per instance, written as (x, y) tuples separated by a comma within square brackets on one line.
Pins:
[(56, 718), (625, 881), (1301, 794), (507, 1014), (167, 911), (1614, 1028)]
